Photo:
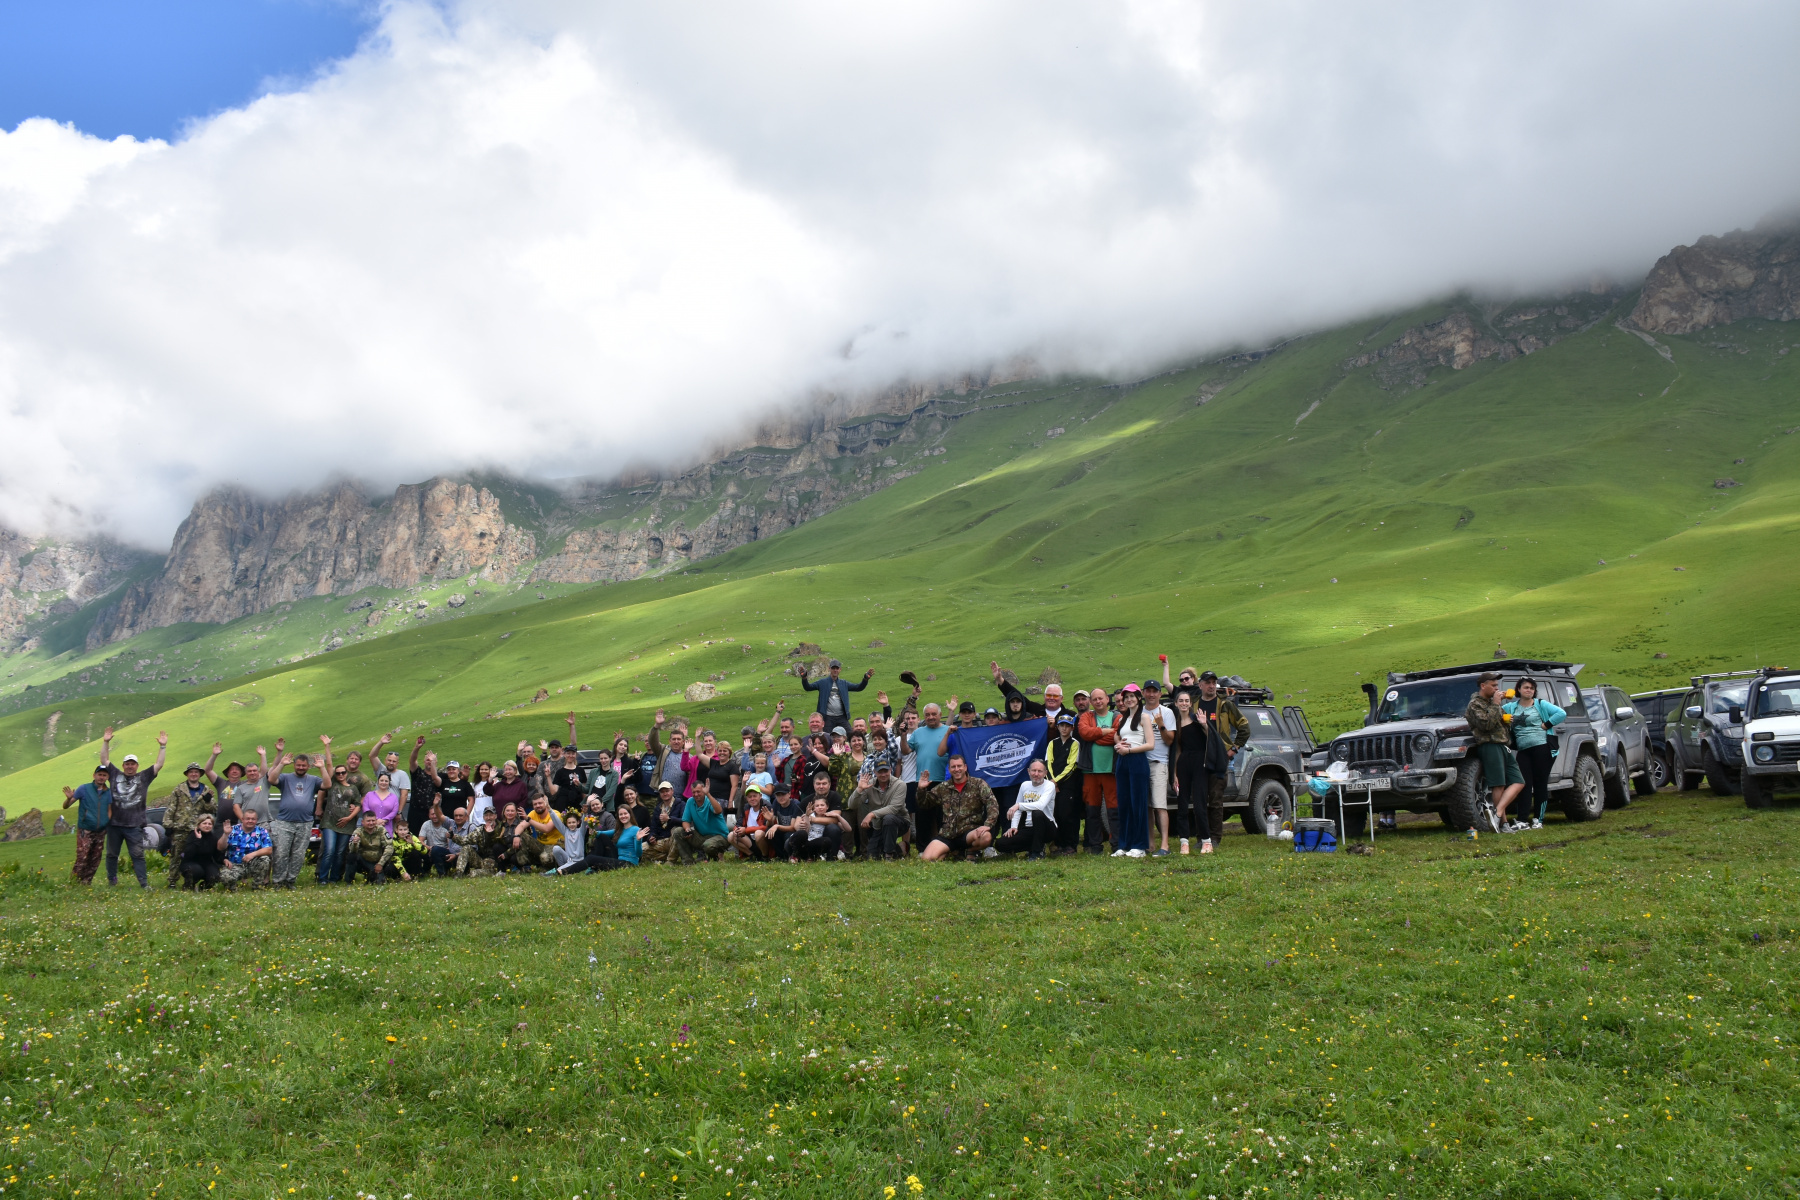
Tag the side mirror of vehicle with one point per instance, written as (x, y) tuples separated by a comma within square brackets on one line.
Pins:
[(1692, 710), (1624, 712), (1736, 714)]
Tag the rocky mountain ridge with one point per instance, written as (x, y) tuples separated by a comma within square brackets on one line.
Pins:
[(238, 554)]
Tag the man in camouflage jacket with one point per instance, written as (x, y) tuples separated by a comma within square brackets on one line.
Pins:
[(968, 810), (485, 847), (182, 810), (371, 851)]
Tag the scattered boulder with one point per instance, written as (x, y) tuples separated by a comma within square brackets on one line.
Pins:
[(815, 667), (31, 825), (1007, 674), (877, 644), (697, 692), (635, 689), (457, 600), (587, 687), (1048, 676), (62, 826), (361, 602), (807, 649), (1737, 462), (542, 695), (1659, 654), (928, 679), (1727, 482)]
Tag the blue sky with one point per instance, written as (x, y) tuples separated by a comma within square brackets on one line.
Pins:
[(145, 67)]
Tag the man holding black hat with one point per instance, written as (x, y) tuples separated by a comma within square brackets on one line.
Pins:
[(834, 693)]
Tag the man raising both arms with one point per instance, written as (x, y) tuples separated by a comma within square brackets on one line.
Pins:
[(130, 806), (966, 810), (834, 693)]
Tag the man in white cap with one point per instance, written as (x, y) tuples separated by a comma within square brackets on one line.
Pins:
[(130, 806)]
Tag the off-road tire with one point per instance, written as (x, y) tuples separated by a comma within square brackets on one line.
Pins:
[(1685, 780), (1717, 777), (1464, 800), (1618, 787), (1586, 801), (1655, 776), (1269, 800), (1757, 792)]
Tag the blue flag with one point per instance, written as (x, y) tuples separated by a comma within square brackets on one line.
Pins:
[(1000, 753)]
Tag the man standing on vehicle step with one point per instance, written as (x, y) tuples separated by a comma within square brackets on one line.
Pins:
[(1487, 724)]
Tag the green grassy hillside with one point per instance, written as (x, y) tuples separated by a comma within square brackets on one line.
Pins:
[(1291, 519)]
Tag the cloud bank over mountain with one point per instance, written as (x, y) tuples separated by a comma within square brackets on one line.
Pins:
[(558, 238)]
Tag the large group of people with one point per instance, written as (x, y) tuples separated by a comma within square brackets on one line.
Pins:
[(1118, 768)]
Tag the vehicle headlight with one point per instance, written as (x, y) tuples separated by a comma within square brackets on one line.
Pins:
[(1340, 752), (1764, 754), (1735, 732), (1421, 743)]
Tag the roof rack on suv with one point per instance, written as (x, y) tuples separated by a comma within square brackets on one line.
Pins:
[(1541, 665), (1701, 679), (1239, 688)]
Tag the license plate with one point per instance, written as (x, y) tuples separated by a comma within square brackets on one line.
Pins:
[(1367, 785)]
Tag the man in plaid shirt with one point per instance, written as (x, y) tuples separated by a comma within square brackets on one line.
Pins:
[(249, 853)]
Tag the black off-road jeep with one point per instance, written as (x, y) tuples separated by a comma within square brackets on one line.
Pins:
[(1415, 754)]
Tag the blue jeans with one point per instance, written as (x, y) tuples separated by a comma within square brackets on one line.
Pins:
[(332, 846), (1133, 774)]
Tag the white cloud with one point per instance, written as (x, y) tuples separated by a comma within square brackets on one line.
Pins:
[(556, 237)]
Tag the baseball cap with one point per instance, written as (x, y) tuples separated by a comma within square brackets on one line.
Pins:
[(992, 712), (1131, 687), (754, 787), (966, 706), (453, 763), (1212, 675), (193, 766), (101, 769), (840, 731), (1065, 719), (129, 758), (1150, 685), (665, 784), (1489, 677), (837, 664), (885, 765)]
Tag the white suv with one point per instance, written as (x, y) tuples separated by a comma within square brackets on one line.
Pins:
[(1771, 737)]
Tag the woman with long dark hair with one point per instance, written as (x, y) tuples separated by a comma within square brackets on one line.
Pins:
[(1532, 721), (1190, 772), (1131, 743)]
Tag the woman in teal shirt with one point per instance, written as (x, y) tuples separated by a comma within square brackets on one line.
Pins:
[(1532, 721)]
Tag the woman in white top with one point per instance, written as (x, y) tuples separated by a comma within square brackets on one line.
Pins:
[(1033, 815), (484, 778), (1131, 769)]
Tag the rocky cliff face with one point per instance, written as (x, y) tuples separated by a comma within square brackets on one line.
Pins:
[(43, 580), (1473, 332), (1718, 280), (237, 554)]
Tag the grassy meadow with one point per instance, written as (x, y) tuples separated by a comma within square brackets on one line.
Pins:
[(1595, 1010)]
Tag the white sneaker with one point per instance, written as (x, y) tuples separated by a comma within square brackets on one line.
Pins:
[(1118, 854), (1536, 824), (1134, 854), (1184, 845), (990, 852)]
